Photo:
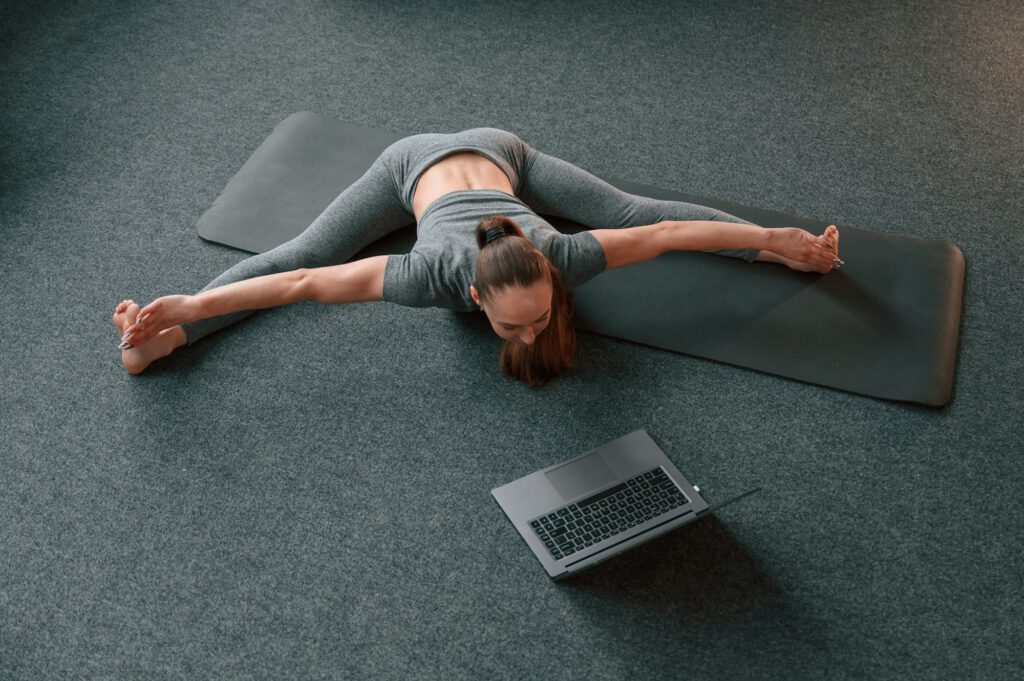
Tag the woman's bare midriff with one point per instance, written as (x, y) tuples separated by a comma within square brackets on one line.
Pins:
[(460, 171)]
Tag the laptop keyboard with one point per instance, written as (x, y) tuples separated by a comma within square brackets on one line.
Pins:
[(605, 514)]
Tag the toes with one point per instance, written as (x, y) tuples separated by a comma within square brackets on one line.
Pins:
[(833, 235), (130, 314), (122, 308), (125, 319), (118, 311)]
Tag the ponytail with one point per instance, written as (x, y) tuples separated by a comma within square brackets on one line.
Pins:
[(508, 258), (494, 227)]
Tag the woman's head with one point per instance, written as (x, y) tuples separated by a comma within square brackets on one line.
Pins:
[(522, 294)]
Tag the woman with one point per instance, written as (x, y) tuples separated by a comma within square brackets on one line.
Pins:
[(476, 197)]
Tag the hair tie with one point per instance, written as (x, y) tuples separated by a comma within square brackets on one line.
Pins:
[(493, 233)]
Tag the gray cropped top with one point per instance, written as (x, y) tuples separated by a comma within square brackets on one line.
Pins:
[(440, 268)]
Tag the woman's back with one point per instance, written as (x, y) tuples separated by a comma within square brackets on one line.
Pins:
[(458, 172)]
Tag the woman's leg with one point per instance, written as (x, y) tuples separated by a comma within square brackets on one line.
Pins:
[(366, 211), (551, 186)]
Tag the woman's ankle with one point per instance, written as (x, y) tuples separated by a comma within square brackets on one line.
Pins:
[(176, 337)]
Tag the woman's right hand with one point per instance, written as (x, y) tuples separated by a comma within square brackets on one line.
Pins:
[(812, 253), (162, 313)]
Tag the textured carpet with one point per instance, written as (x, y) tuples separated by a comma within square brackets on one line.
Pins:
[(306, 495)]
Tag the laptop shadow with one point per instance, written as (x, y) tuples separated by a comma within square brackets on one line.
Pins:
[(699, 570)]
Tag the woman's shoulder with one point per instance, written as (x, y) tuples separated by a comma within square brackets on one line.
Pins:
[(430, 275), (579, 256)]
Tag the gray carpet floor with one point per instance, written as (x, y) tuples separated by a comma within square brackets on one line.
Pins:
[(306, 495)]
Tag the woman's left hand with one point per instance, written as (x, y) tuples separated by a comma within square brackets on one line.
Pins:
[(801, 250), (162, 313)]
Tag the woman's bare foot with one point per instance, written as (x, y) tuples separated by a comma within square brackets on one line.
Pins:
[(137, 358), (831, 239)]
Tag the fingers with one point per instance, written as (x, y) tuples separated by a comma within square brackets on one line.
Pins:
[(820, 255), (826, 260), (130, 338), (149, 316), (142, 329), (138, 334), (150, 310), (801, 250), (816, 253), (832, 236), (829, 241)]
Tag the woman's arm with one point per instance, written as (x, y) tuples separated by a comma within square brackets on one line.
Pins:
[(632, 245), (358, 281)]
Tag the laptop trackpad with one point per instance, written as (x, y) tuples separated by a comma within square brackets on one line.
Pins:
[(584, 475)]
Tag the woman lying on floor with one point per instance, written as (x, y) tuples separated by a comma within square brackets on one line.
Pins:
[(476, 197)]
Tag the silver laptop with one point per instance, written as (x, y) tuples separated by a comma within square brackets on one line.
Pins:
[(576, 514)]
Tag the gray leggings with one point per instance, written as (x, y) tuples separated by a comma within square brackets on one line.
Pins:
[(380, 202)]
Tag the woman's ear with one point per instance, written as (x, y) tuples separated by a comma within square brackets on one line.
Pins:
[(476, 296)]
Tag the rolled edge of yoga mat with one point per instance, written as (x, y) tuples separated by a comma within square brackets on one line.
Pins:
[(948, 341)]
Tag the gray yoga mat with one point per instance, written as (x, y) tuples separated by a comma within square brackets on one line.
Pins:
[(886, 325)]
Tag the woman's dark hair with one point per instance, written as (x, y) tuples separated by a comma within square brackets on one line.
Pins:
[(508, 258)]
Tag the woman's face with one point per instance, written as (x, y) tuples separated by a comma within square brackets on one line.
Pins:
[(518, 314)]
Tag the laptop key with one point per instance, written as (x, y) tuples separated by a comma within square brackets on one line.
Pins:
[(610, 512)]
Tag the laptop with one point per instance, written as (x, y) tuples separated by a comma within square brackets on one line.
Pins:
[(578, 513)]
